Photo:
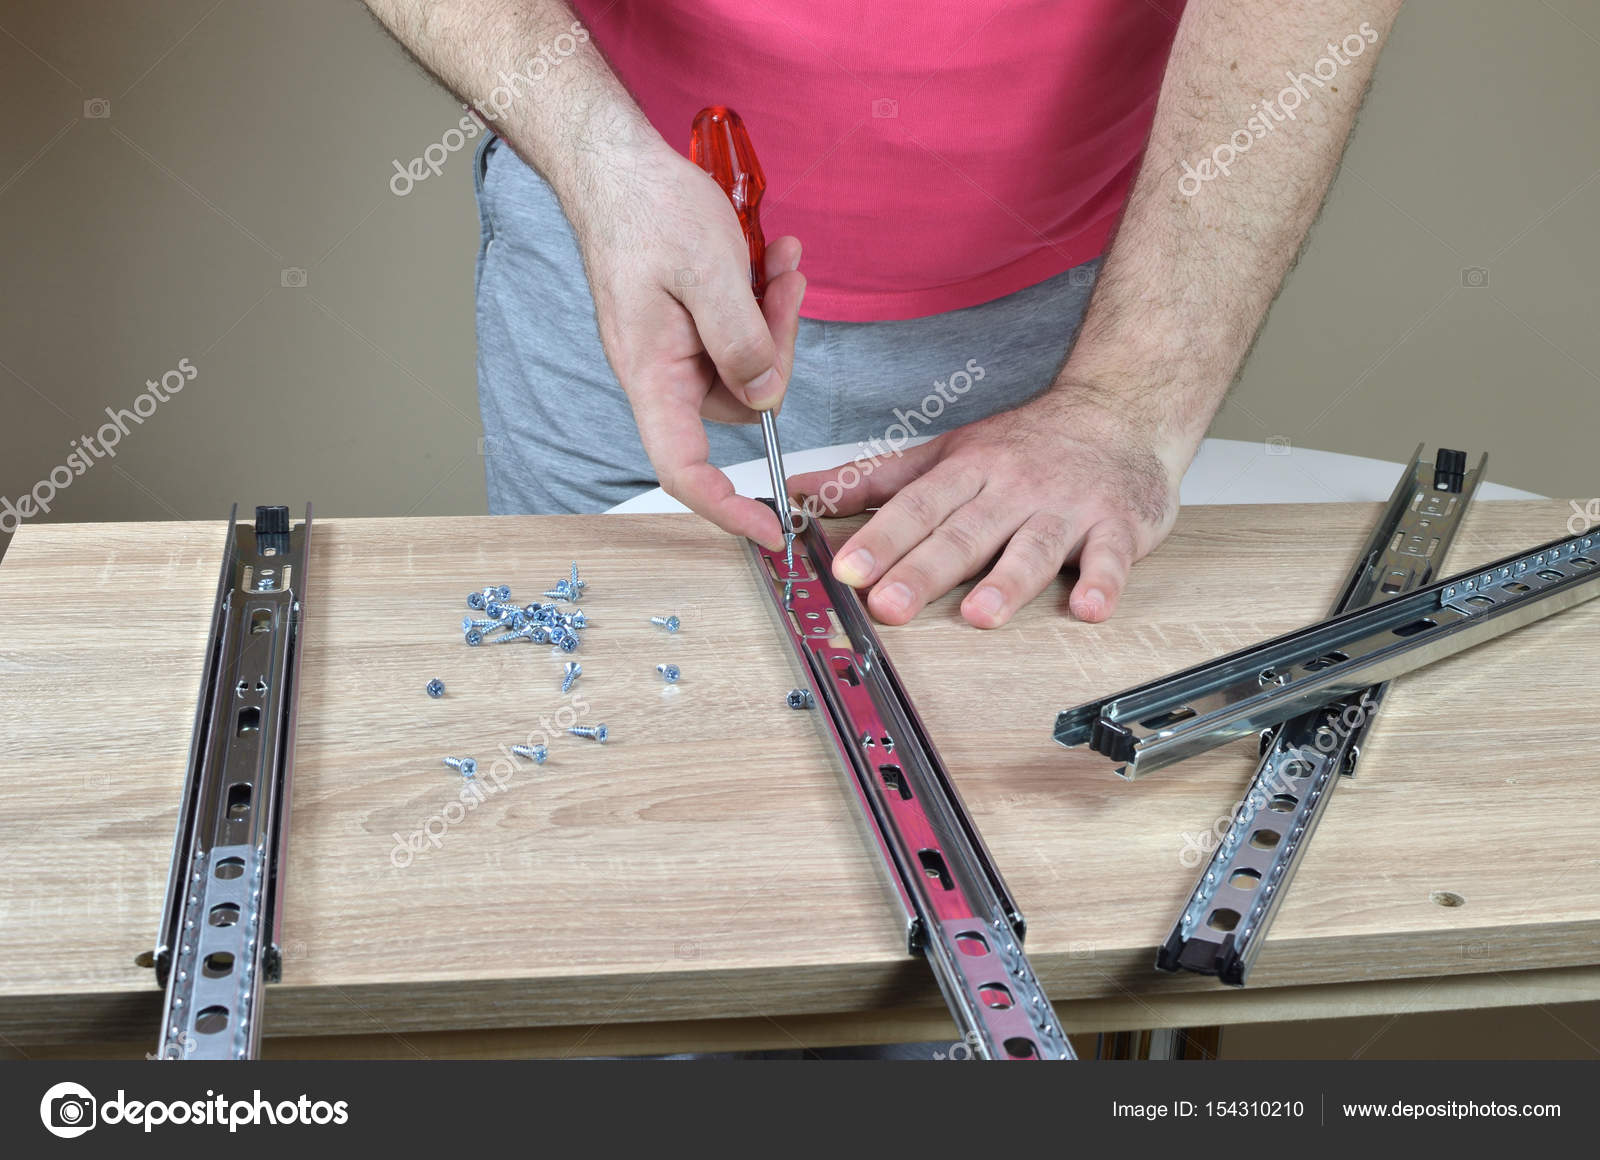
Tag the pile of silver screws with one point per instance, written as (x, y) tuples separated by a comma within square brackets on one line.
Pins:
[(500, 620)]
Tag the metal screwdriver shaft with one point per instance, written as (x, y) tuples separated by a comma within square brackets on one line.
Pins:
[(720, 144)]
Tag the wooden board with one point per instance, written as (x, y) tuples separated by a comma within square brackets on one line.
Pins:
[(706, 864)]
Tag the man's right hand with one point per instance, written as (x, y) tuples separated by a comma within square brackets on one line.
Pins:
[(666, 259), (670, 272)]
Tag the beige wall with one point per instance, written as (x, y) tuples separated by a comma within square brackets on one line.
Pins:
[(249, 138)]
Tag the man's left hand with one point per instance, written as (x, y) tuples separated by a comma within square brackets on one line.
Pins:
[(1061, 479)]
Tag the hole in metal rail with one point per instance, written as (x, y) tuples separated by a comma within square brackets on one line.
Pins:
[(261, 620), (1272, 677), (224, 914), (1516, 588), (1583, 561), (970, 942), (1415, 627), (1020, 1048), (933, 866), (1326, 661), (845, 669), (211, 1020), (1481, 601), (249, 720), (217, 965), (238, 805), (895, 779), (1265, 839), (1171, 717), (1283, 803), (1244, 878), (1550, 574), (1223, 919), (996, 996), (231, 868)]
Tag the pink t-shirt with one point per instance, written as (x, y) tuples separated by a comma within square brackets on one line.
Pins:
[(929, 154)]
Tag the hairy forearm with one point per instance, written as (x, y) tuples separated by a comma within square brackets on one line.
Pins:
[(569, 117), (1200, 254)]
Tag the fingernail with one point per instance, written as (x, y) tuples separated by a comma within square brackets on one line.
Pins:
[(795, 265), (896, 597), (1094, 601), (988, 600), (854, 567), (764, 387)]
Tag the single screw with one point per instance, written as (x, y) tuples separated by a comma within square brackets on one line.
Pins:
[(574, 583), (515, 634), (669, 673), (487, 623), (537, 752), (499, 609), (578, 619), (569, 643), (474, 637), (436, 688), (570, 672), (475, 600), (560, 592), (800, 699), (467, 766), (670, 623), (538, 634), (593, 732)]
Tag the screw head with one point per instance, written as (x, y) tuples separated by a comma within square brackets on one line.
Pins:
[(503, 591), (600, 734), (799, 699), (475, 600), (569, 643), (669, 673), (436, 688), (474, 637), (468, 767)]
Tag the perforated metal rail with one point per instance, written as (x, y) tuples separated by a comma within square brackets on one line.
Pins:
[(1256, 688), (1224, 922), (220, 937), (954, 906)]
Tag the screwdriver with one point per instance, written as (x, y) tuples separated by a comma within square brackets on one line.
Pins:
[(720, 144)]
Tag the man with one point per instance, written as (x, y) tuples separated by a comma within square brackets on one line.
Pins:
[(954, 169)]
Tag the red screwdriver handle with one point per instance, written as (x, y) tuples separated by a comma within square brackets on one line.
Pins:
[(720, 144)]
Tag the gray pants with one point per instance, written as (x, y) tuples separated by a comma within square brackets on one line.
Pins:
[(559, 435)]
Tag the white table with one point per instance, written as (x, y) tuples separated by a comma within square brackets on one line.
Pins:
[(1226, 471)]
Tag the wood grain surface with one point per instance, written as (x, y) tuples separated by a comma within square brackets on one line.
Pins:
[(706, 864)]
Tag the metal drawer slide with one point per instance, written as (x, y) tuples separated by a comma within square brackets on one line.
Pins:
[(220, 935), (1224, 922), (955, 906), (1155, 724)]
